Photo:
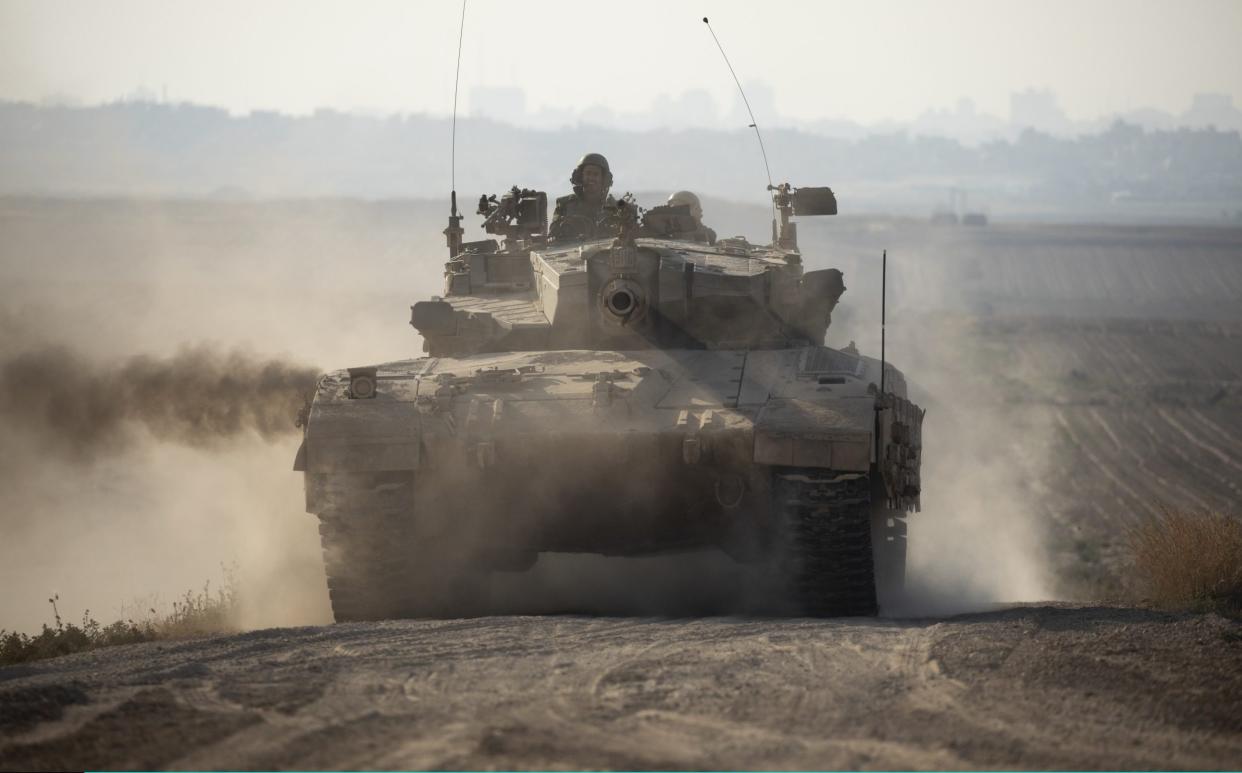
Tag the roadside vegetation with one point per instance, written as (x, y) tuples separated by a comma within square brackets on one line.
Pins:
[(1190, 559), (193, 614)]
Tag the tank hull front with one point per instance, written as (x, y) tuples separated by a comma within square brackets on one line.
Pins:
[(586, 451), (427, 474)]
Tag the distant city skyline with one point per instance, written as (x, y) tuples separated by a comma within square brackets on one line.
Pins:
[(1037, 109), (143, 147), (867, 64)]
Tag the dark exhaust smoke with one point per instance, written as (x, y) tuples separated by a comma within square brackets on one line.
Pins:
[(196, 397)]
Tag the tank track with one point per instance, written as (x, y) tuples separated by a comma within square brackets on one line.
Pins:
[(824, 541), (376, 566)]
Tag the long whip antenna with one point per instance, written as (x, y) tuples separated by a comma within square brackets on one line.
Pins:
[(883, 315), (454, 231), (461, 34), (880, 401), (753, 123)]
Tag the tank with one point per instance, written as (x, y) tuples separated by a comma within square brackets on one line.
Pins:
[(629, 390)]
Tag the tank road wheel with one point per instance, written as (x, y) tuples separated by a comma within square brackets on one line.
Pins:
[(376, 567), (823, 541), (888, 545)]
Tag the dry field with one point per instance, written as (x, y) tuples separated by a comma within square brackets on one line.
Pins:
[(1146, 414), (1102, 362)]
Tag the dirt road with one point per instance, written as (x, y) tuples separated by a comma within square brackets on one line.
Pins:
[(1041, 686)]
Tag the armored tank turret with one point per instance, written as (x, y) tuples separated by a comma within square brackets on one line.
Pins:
[(624, 386)]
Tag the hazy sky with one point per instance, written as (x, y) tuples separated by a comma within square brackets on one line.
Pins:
[(865, 61)]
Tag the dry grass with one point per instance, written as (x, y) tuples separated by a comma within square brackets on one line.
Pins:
[(194, 614), (1190, 559)]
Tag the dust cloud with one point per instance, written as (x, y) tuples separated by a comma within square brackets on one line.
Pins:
[(982, 537), (145, 443), (195, 397), (105, 467), (153, 357)]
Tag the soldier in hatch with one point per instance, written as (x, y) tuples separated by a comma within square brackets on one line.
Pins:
[(687, 199), (579, 215)]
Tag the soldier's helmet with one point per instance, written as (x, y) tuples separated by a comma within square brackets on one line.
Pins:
[(687, 199), (591, 158)]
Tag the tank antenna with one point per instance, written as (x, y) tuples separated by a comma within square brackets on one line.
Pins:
[(753, 123), (883, 308), (454, 231), (461, 34)]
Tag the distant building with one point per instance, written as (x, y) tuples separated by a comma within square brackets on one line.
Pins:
[(1037, 109), (694, 108), (962, 122), (975, 218), (1212, 110)]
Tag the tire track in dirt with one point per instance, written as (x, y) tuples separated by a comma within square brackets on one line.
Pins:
[(1191, 477), (1037, 687), (1080, 443), (1231, 438), (1122, 421), (1227, 460)]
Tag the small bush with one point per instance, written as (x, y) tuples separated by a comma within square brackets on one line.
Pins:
[(194, 614), (1190, 559)]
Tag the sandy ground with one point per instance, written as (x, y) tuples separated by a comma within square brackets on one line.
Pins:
[(1027, 687)]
